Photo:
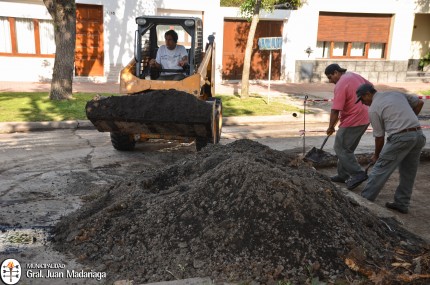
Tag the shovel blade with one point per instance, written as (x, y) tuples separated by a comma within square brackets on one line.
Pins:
[(316, 155)]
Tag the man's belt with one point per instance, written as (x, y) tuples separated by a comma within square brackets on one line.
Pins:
[(409, 130)]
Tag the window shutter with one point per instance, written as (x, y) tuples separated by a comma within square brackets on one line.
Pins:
[(352, 27)]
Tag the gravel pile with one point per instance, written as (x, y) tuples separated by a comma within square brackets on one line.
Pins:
[(236, 213)]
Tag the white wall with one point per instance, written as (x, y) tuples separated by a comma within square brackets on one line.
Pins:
[(299, 32), (420, 44), (24, 9), (422, 6), (302, 27), (209, 10), (119, 27)]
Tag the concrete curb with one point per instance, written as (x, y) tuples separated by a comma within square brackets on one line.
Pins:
[(296, 118), (12, 127)]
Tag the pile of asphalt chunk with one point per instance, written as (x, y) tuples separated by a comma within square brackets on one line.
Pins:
[(236, 213)]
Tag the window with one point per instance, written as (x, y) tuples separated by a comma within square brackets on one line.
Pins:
[(5, 39), (24, 34), (353, 35), (339, 49), (358, 49), (26, 37), (322, 49), (333, 49), (376, 50), (47, 38)]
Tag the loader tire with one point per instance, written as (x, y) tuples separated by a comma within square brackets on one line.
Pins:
[(201, 143), (217, 127), (218, 118), (122, 142)]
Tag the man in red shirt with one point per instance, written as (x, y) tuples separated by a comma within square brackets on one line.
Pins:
[(354, 121)]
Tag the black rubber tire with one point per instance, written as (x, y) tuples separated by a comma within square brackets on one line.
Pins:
[(201, 143), (217, 127), (206, 90), (218, 117), (122, 142)]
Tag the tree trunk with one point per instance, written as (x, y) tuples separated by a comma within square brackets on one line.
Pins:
[(248, 51), (63, 13)]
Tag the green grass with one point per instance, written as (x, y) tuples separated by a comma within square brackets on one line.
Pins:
[(425, 92), (37, 107), (255, 106)]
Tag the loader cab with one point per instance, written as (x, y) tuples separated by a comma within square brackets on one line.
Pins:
[(149, 36)]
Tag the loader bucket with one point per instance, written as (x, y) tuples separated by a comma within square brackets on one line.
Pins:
[(162, 113)]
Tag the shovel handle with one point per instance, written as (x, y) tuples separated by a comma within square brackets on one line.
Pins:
[(325, 140), (368, 166)]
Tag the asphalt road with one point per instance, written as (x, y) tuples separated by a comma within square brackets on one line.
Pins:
[(44, 175)]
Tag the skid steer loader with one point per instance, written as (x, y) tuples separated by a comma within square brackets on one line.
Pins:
[(149, 108)]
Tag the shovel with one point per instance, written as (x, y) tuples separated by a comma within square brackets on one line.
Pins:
[(317, 154), (368, 166)]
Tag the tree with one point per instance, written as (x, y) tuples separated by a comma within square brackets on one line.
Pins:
[(63, 13), (251, 10)]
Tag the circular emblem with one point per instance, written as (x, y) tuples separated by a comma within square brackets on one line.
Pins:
[(10, 271)]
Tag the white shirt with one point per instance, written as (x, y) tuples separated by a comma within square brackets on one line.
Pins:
[(391, 112), (169, 59)]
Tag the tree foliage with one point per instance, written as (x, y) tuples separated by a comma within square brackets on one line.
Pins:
[(424, 61), (247, 7), (230, 3)]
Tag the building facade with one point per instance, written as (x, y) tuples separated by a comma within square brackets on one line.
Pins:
[(104, 35), (381, 41)]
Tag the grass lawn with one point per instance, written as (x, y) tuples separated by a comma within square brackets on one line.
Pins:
[(37, 107)]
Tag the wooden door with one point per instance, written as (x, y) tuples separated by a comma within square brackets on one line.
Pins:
[(89, 53), (235, 38)]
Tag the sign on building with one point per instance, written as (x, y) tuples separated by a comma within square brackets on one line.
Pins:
[(272, 43)]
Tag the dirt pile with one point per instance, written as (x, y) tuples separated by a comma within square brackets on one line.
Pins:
[(238, 212), (119, 113)]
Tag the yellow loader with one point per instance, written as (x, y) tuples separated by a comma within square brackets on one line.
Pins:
[(150, 108)]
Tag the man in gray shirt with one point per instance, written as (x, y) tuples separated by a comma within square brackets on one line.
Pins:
[(395, 114)]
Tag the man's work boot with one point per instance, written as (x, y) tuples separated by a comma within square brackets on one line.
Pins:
[(397, 207), (356, 180), (337, 178)]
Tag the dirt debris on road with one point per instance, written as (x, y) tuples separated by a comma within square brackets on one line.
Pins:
[(237, 213)]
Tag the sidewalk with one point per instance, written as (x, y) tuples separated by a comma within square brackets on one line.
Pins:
[(296, 93), (232, 88)]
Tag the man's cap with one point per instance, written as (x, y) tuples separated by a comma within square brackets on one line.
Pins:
[(363, 89), (332, 68)]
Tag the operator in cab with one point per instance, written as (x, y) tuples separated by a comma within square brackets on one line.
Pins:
[(170, 56)]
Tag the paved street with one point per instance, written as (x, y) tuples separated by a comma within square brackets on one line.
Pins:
[(44, 174)]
